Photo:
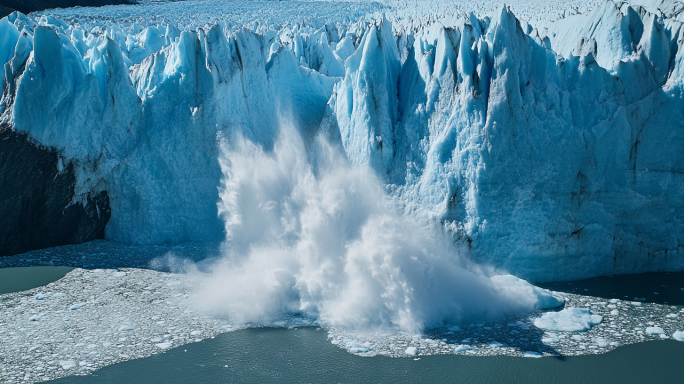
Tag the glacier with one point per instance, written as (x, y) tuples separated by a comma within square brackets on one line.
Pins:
[(545, 146)]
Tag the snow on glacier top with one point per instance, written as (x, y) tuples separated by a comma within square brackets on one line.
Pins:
[(259, 15)]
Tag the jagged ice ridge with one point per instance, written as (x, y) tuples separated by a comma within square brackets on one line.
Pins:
[(549, 148)]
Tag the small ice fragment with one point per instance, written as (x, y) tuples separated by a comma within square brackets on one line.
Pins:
[(41, 296), (125, 328), (412, 351), (614, 312), (654, 330), (119, 274), (156, 339), (67, 364), (358, 348), (679, 336), (196, 333), (531, 354), (494, 344), (614, 301), (550, 340), (461, 348), (77, 306), (166, 345)]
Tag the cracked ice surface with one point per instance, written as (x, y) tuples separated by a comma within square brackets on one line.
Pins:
[(99, 316), (518, 335), (93, 318)]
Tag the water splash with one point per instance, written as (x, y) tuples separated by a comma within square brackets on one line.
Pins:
[(309, 234)]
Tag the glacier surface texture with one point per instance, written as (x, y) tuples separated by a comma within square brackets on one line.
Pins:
[(551, 147)]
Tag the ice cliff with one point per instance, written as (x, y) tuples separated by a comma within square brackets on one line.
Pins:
[(551, 149)]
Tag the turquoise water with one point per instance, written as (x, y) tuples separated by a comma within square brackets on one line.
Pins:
[(306, 356), (23, 278)]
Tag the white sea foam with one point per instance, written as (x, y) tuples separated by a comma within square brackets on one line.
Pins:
[(309, 234)]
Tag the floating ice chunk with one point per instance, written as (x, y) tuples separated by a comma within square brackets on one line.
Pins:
[(614, 301), (165, 345), (568, 320), (461, 348), (535, 355), (36, 317), (672, 316), (67, 364), (125, 328), (654, 331), (355, 347), (679, 336), (77, 306), (614, 312), (515, 286), (636, 303), (601, 342), (41, 296), (119, 274), (411, 351), (156, 339), (494, 344), (550, 339), (196, 333)]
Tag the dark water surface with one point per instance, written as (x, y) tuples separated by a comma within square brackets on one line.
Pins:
[(23, 278), (305, 355), (656, 287)]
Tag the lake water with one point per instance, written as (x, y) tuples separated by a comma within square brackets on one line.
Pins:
[(306, 355), (23, 278)]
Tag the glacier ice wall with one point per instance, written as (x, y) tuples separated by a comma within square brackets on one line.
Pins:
[(308, 233), (551, 149), (550, 165)]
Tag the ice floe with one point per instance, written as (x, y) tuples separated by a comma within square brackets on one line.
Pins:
[(568, 320)]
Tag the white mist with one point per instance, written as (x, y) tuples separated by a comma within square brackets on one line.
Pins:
[(309, 234)]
